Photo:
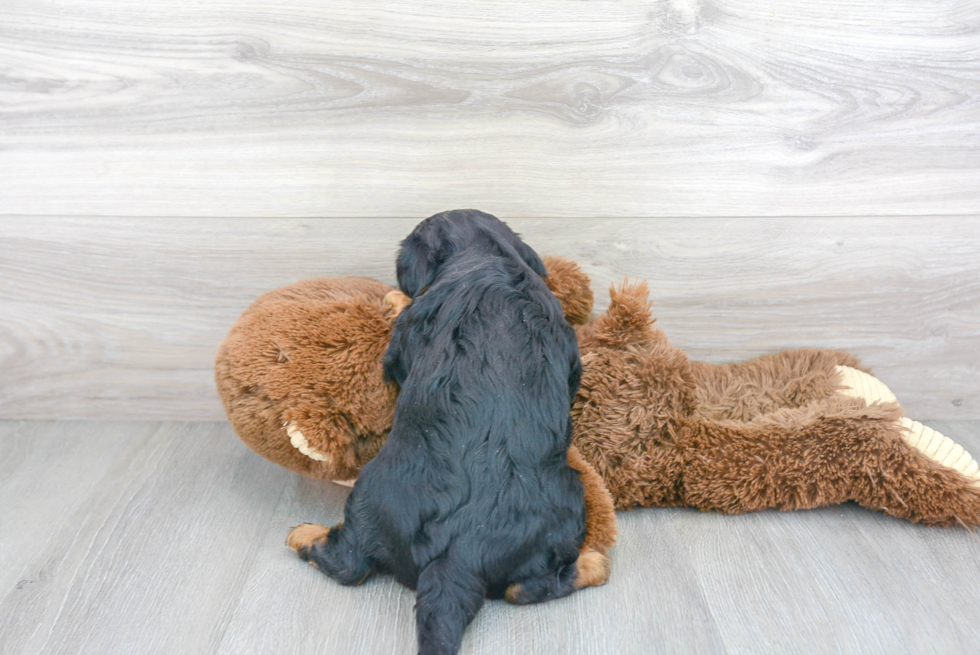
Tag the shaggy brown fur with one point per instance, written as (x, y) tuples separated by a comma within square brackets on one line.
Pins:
[(571, 287), (310, 355), (275, 368), (600, 513), (768, 433), (654, 427)]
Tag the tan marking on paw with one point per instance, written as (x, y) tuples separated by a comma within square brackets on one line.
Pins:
[(397, 301), (300, 443), (591, 569), (305, 535), (513, 593)]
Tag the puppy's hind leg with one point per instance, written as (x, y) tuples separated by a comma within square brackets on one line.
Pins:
[(448, 597), (589, 570), (330, 550)]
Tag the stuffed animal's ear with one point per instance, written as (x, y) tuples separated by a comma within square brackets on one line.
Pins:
[(628, 321), (397, 300), (571, 287)]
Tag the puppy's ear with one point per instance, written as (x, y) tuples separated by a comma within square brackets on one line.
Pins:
[(396, 364), (530, 257), (417, 265), (499, 230), (574, 363)]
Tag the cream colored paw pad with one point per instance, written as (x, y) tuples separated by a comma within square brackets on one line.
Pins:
[(861, 385), (300, 443), (937, 447), (940, 448)]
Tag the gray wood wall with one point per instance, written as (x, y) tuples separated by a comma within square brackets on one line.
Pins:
[(785, 174)]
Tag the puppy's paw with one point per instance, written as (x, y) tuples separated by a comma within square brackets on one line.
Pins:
[(304, 536), (591, 569), (513, 594)]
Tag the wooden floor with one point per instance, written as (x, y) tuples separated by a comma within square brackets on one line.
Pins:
[(130, 537)]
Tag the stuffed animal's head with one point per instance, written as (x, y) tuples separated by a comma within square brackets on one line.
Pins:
[(300, 372)]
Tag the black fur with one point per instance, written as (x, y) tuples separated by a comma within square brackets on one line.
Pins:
[(472, 491), (438, 238)]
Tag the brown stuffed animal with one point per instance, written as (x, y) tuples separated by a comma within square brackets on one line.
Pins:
[(300, 377)]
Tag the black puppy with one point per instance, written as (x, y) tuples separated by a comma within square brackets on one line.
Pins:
[(471, 496)]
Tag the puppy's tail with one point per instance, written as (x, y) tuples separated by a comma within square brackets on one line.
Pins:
[(448, 597)]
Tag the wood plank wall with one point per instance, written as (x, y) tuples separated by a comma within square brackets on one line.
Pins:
[(785, 174), (121, 317)]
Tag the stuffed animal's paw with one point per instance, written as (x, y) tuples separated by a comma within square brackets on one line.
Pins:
[(932, 444), (940, 448), (300, 443)]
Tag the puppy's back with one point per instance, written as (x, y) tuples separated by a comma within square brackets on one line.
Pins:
[(487, 350), (488, 368)]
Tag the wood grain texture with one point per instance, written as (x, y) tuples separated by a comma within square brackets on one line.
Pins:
[(288, 607), (544, 109), (173, 542), (121, 318), (38, 465), (864, 582), (152, 560)]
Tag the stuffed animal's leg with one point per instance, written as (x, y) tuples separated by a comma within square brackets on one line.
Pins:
[(913, 476), (330, 550), (935, 446), (822, 455), (745, 390)]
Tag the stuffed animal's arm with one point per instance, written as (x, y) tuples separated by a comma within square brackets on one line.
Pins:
[(572, 287)]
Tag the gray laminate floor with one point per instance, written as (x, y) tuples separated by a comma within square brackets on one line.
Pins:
[(130, 537)]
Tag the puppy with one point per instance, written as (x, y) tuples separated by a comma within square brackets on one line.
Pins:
[(471, 496)]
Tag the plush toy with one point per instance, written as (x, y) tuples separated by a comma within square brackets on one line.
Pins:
[(300, 376)]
